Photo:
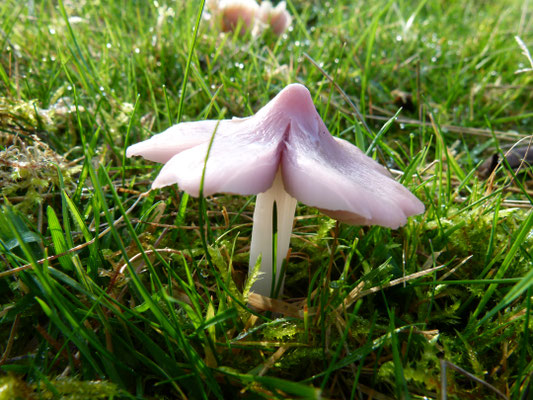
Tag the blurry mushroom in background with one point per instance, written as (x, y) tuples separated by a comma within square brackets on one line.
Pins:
[(283, 153), (232, 12), (254, 18), (277, 18), (519, 158), (403, 99)]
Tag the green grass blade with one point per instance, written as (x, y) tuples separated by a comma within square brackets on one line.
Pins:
[(58, 239)]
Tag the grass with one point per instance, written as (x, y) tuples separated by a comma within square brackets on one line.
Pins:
[(109, 292)]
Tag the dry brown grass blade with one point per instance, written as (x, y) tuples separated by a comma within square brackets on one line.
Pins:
[(273, 358), (502, 135), (349, 300), (148, 253), (397, 282), (11, 339), (263, 303)]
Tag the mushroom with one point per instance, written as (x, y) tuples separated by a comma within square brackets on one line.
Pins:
[(233, 11), (278, 18), (283, 153), (254, 17), (518, 158)]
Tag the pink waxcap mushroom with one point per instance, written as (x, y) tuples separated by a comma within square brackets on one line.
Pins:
[(318, 169), (255, 18), (234, 11), (161, 148), (278, 18), (283, 153)]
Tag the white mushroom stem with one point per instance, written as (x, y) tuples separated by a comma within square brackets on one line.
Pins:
[(262, 233)]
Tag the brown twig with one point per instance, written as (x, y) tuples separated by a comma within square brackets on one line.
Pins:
[(57, 346), (11, 339)]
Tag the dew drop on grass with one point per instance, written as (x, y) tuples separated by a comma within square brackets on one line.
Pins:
[(52, 31), (137, 51), (108, 45), (335, 284)]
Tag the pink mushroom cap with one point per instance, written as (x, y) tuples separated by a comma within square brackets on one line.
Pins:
[(278, 18), (318, 169), (233, 11)]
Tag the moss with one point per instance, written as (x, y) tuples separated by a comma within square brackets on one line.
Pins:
[(284, 331), (300, 359), (469, 233), (72, 389), (13, 387), (28, 169)]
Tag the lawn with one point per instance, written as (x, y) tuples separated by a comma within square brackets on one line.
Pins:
[(111, 291)]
